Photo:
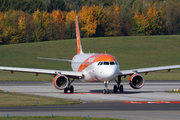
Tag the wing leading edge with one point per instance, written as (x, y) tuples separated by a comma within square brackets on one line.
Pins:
[(145, 70), (42, 71)]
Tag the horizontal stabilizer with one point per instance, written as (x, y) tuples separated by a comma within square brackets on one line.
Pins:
[(64, 60)]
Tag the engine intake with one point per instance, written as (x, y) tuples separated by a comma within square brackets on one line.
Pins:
[(60, 82), (136, 81)]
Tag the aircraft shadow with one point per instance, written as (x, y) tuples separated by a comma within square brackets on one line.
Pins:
[(125, 92), (92, 92)]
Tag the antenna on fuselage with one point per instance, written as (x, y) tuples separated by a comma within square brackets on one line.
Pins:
[(78, 38)]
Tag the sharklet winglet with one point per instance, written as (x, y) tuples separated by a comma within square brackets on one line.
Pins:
[(78, 38)]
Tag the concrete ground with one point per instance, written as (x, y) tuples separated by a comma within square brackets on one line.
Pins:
[(92, 93)]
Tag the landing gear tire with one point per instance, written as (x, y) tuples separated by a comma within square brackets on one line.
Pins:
[(69, 87), (115, 88), (118, 86), (104, 91), (65, 90), (72, 89), (107, 91), (121, 88)]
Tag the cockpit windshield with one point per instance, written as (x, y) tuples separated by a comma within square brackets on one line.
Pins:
[(107, 63)]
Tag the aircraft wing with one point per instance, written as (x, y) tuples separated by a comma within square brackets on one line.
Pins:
[(146, 70), (42, 71)]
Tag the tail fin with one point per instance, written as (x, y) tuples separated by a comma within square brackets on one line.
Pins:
[(78, 38)]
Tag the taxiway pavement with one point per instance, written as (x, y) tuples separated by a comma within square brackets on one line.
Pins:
[(152, 91), (97, 104)]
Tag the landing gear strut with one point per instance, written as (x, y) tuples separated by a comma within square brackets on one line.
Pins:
[(106, 90), (118, 86), (69, 87)]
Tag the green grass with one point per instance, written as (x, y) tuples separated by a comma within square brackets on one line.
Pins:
[(173, 91), (131, 52), (17, 99), (56, 118)]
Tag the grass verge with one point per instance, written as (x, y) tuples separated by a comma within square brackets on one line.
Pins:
[(56, 118), (17, 99), (173, 91), (131, 52)]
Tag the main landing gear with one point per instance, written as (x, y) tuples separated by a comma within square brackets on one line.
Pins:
[(118, 86), (106, 90), (69, 87)]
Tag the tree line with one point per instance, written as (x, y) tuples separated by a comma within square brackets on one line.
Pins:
[(45, 20), (29, 6)]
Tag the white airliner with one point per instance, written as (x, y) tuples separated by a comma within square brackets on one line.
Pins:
[(92, 68)]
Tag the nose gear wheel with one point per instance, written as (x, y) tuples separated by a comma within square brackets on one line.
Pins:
[(106, 90)]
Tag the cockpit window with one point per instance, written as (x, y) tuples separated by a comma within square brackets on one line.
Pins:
[(100, 63), (107, 63), (112, 63)]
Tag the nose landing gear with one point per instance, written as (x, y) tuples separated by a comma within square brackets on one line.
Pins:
[(118, 86), (106, 90)]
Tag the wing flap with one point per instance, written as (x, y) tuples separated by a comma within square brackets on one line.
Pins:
[(150, 69)]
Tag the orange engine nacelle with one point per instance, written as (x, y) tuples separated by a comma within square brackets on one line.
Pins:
[(136, 81), (60, 82)]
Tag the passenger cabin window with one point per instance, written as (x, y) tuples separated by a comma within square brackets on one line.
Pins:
[(107, 63)]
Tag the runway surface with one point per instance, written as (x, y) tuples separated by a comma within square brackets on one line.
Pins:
[(97, 104)]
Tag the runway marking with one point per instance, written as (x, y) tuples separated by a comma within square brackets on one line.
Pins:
[(82, 93), (98, 101), (151, 102), (98, 93)]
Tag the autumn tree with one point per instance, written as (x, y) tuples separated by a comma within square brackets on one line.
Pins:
[(29, 21), (90, 18), (1, 27), (70, 25), (150, 24), (172, 17), (46, 24), (38, 26), (11, 34), (58, 24), (140, 24), (155, 20), (113, 23)]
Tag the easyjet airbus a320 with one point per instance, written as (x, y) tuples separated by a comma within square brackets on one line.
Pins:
[(92, 68)]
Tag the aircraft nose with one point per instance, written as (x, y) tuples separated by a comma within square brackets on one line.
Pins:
[(109, 74)]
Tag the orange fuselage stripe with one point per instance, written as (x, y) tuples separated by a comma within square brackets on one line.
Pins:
[(96, 58)]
